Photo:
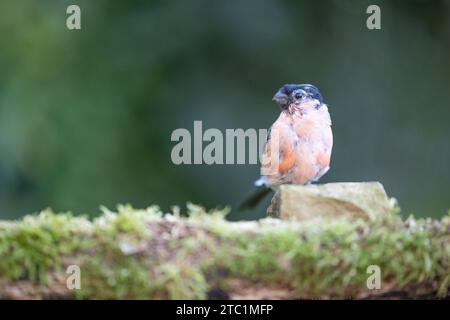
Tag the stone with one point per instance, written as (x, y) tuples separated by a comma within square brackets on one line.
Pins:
[(354, 200)]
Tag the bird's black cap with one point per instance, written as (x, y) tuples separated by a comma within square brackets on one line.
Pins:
[(311, 90)]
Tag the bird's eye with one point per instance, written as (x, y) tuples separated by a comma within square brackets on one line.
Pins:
[(298, 95)]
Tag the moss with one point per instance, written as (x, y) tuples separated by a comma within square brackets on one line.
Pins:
[(32, 247), (136, 254), (317, 256)]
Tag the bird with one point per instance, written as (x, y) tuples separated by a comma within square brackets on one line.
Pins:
[(299, 143)]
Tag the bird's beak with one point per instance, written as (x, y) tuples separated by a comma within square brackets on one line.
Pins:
[(281, 99)]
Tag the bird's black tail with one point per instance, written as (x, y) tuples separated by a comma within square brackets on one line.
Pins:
[(255, 198)]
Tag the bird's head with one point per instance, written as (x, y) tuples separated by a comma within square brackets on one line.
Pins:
[(298, 96)]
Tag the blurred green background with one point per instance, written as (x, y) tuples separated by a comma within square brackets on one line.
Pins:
[(86, 116)]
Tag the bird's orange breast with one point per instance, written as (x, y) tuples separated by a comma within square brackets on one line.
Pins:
[(305, 145)]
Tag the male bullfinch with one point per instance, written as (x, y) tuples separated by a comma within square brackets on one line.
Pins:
[(299, 143)]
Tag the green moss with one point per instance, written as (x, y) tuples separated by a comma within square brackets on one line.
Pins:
[(136, 254), (32, 247)]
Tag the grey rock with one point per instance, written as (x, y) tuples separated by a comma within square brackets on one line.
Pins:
[(364, 200)]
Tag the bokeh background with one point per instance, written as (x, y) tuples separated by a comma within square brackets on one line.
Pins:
[(86, 116)]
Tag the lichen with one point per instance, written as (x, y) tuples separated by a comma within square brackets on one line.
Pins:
[(139, 254)]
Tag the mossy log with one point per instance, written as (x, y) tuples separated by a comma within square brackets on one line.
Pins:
[(145, 254)]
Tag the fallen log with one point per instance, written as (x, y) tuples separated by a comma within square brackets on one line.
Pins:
[(145, 254)]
